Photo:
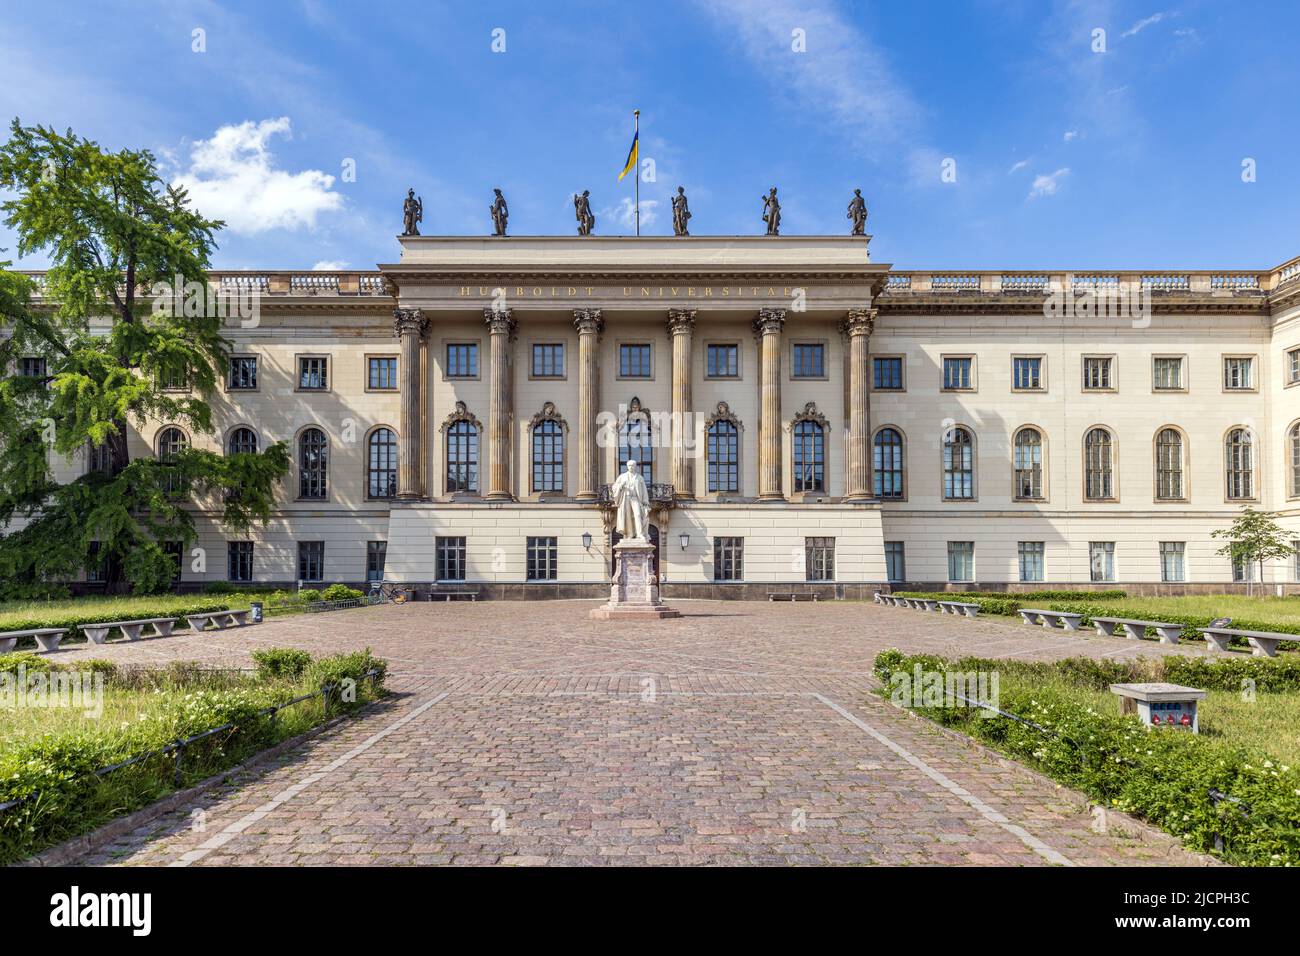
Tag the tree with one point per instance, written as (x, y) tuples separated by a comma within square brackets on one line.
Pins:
[(1253, 539), (104, 341)]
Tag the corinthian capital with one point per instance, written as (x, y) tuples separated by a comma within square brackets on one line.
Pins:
[(769, 321), (499, 321), (588, 321), (681, 321), (409, 322), (858, 322)]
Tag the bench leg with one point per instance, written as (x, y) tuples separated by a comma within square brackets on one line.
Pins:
[(1104, 628), (132, 631), (1169, 635), (7, 644), (972, 612), (1133, 632), (1047, 622), (1069, 623), (48, 642), (1217, 642), (96, 635), (164, 628), (1262, 647)]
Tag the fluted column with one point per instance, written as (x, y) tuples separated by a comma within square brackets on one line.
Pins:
[(857, 326), (502, 327), (768, 327), (589, 325), (681, 325), (410, 326)]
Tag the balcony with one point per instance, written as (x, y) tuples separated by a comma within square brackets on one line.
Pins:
[(662, 495)]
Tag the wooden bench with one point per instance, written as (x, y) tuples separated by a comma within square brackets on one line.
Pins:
[(218, 619), (791, 596), (1135, 629), (47, 638), (1067, 619), (959, 608), (1263, 643), (131, 630)]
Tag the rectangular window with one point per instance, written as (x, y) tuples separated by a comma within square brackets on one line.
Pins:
[(723, 361), (1101, 560), (381, 373), (1244, 572), (1293, 366), (376, 555), (957, 372), (1031, 560), (311, 560), (548, 360), (243, 373), (1097, 373), (961, 561), (449, 555), (1237, 374), (819, 559), (239, 561), (1295, 561), (1026, 373), (887, 373), (634, 361), (895, 561), (462, 360), (543, 559), (312, 374), (1172, 568), (809, 360), (728, 559), (176, 551), (1167, 374), (173, 380), (29, 367), (97, 566)]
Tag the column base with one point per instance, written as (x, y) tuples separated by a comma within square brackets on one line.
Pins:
[(498, 496)]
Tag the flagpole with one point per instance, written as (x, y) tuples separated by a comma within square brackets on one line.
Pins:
[(637, 172)]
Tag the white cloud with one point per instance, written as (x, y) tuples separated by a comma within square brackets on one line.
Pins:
[(1016, 167), (842, 74), (329, 265), (1046, 184), (1142, 24), (624, 214), (1071, 134), (232, 177)]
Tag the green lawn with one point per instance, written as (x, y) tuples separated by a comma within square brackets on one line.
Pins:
[(1269, 724)]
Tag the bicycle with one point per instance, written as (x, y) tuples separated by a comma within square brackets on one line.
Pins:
[(381, 591)]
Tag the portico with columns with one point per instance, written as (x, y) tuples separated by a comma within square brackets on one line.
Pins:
[(600, 335)]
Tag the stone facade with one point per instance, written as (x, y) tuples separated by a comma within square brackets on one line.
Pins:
[(520, 361)]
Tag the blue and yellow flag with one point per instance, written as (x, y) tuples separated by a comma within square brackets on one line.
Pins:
[(631, 157)]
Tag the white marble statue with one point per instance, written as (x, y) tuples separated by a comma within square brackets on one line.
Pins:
[(631, 504)]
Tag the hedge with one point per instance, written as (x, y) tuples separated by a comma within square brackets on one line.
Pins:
[(55, 775), (76, 613), (1006, 605), (1166, 778)]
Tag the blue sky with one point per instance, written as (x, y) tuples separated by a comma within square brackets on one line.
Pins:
[(1065, 156)]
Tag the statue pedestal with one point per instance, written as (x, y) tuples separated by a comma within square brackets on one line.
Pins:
[(634, 591)]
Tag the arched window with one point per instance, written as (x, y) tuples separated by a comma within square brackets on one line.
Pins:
[(171, 442), (1239, 463), (635, 444), (724, 457), (809, 456), (1295, 461), (548, 456), (243, 441), (1169, 465), (462, 457), (958, 464), (1029, 464), (313, 463), (887, 463), (1098, 465), (381, 463)]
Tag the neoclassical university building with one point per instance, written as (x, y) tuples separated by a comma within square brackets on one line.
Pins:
[(806, 419)]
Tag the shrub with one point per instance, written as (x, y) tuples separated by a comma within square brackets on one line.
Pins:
[(1166, 777), (275, 663), (354, 666), (341, 592), (309, 595)]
